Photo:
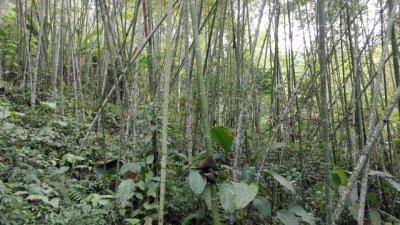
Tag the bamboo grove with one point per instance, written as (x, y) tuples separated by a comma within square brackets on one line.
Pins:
[(308, 91)]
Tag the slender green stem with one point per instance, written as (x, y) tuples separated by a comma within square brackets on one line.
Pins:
[(324, 111), (164, 132), (203, 105)]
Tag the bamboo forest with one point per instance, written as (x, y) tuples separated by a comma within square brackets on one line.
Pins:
[(197, 112)]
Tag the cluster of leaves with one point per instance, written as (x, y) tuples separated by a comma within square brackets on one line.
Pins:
[(46, 178), (40, 181), (237, 196), (7, 41)]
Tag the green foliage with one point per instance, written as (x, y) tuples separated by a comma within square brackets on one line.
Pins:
[(227, 197), (132, 221), (319, 198), (222, 137), (375, 216), (373, 199), (393, 185), (244, 194), (42, 180), (248, 173), (125, 191), (206, 195), (298, 210), (134, 167), (263, 205), (283, 181), (237, 196), (197, 182), (107, 169), (339, 177), (7, 47), (8, 41), (262, 150), (287, 217)]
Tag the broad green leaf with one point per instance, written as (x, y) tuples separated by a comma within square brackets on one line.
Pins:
[(371, 196), (153, 128), (125, 192), (38, 197), (247, 173), (298, 210), (375, 216), (149, 177), (262, 150), (287, 217), (182, 155), (263, 205), (148, 220), (342, 175), (9, 61), (49, 104), (54, 202), (244, 193), (132, 221), (352, 204), (277, 145), (196, 182), (222, 177), (86, 209), (148, 205), (282, 181), (110, 168), (150, 159), (227, 197), (141, 185), (201, 213), (379, 174), (139, 196), (156, 179), (335, 181), (150, 116), (4, 114), (222, 137), (62, 123), (35, 190), (17, 114), (3, 33), (258, 153), (151, 189), (69, 157), (148, 138), (7, 125), (134, 167), (394, 184), (206, 195), (103, 202), (62, 170), (17, 203)]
